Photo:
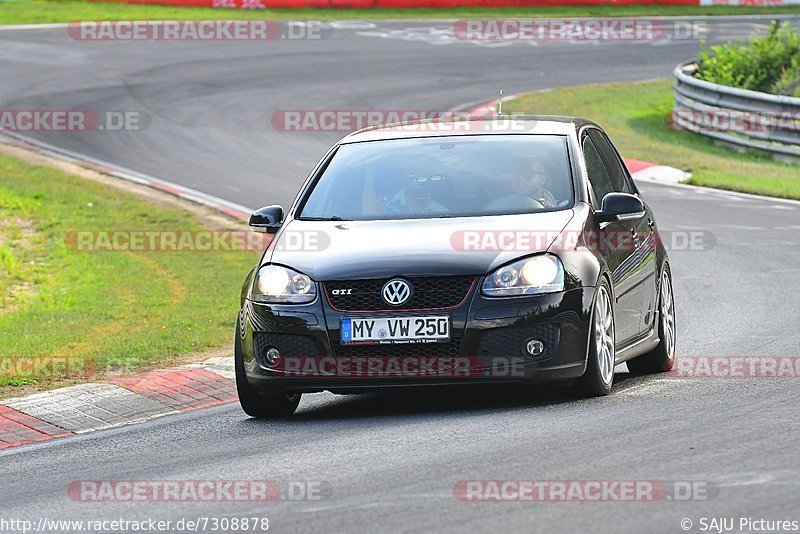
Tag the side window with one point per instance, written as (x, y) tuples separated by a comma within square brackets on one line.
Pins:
[(599, 179), (613, 163)]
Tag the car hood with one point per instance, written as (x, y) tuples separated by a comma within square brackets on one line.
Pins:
[(352, 250)]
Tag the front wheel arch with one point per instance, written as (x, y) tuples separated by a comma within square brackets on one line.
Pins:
[(592, 384)]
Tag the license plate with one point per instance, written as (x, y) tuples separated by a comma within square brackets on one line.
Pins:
[(427, 329)]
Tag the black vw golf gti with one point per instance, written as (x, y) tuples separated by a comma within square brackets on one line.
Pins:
[(492, 250)]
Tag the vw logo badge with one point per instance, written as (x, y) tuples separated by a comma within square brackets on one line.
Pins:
[(396, 292)]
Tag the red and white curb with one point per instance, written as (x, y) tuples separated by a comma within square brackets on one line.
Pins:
[(644, 171), (640, 170), (116, 402)]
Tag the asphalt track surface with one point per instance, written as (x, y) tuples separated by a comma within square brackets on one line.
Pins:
[(390, 461)]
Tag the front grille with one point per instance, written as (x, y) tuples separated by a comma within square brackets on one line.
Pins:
[(510, 342), (429, 293), (289, 345), (451, 349)]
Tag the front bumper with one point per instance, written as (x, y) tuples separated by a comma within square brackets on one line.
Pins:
[(488, 338)]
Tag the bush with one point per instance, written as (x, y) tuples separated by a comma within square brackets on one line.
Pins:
[(769, 64), (789, 81)]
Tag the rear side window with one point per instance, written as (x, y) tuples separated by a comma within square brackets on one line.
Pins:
[(613, 164), (599, 178)]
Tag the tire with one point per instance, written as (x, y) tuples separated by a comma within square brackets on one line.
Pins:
[(253, 403), (662, 358), (599, 376)]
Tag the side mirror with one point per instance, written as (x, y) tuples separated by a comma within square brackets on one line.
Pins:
[(620, 207), (267, 220)]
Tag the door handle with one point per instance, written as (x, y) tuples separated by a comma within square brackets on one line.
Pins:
[(651, 223)]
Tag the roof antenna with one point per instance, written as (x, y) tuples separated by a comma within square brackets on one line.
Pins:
[(500, 103)]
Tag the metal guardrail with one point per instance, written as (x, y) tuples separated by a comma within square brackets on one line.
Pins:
[(738, 117)]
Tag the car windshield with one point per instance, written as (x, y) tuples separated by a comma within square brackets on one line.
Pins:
[(458, 176)]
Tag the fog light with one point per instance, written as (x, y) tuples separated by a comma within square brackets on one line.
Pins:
[(534, 347), (273, 355)]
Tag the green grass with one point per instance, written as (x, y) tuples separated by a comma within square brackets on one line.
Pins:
[(108, 311), (636, 116), (43, 11)]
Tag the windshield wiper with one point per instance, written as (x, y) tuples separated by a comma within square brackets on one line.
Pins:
[(332, 218)]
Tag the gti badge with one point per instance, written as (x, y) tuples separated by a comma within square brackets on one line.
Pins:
[(341, 292), (396, 292)]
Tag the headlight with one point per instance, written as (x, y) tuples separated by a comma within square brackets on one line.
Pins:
[(275, 284), (531, 276)]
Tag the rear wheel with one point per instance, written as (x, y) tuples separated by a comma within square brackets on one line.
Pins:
[(661, 358), (253, 403), (599, 375)]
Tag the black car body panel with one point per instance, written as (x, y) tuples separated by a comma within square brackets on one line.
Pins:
[(354, 250)]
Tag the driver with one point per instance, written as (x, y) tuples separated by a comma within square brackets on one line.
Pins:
[(415, 196)]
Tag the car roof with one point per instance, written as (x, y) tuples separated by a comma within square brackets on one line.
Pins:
[(464, 125)]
